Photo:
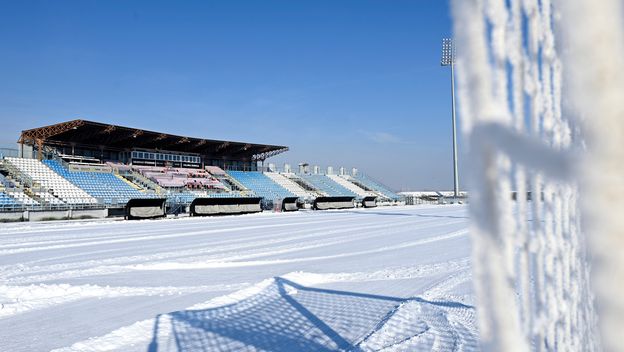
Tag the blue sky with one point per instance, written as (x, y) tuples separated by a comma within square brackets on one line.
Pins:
[(341, 82)]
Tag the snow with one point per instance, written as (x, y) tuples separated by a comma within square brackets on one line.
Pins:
[(520, 125), (383, 279), (596, 54)]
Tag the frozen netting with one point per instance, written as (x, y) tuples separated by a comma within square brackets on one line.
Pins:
[(531, 261)]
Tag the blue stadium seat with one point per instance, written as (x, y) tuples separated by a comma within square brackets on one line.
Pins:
[(7, 201), (376, 186), (106, 187), (328, 186), (261, 185)]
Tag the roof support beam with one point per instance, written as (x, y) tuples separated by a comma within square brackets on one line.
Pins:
[(265, 155), (49, 131)]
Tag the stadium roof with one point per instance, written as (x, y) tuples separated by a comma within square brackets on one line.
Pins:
[(101, 135)]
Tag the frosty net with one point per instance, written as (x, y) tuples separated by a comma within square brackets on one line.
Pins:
[(544, 143)]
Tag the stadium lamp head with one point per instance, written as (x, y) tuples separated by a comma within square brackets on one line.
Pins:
[(448, 52)]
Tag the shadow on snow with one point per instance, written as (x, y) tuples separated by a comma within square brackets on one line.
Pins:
[(284, 316)]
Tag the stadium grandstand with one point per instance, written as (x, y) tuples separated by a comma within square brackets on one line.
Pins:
[(82, 164)]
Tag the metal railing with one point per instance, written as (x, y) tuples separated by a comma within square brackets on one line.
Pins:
[(49, 207), (18, 175), (146, 182)]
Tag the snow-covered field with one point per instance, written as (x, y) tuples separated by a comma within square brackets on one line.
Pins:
[(395, 278)]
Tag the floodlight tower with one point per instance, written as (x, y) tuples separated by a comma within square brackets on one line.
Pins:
[(448, 59)]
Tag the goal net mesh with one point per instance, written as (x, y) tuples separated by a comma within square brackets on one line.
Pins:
[(540, 101)]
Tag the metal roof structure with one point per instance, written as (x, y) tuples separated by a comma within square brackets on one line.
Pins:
[(113, 137)]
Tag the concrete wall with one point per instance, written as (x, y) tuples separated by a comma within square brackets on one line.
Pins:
[(12, 216), (30, 215), (94, 213), (45, 215)]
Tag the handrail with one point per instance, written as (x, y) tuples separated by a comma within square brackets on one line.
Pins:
[(149, 183), (240, 186), (18, 175)]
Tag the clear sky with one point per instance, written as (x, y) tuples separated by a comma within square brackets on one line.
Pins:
[(341, 82)]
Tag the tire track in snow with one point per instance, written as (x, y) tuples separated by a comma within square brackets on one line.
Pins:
[(419, 223), (213, 246), (208, 262), (81, 236), (149, 238), (238, 264), (20, 299), (71, 232), (24, 231)]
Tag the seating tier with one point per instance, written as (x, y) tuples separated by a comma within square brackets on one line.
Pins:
[(60, 187), (261, 185), (328, 186), (106, 187)]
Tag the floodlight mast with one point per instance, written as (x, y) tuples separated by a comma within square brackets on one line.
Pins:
[(448, 59)]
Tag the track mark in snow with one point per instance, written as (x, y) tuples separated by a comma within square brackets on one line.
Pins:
[(149, 238), (395, 273), (214, 247), (20, 299), (230, 261), (238, 264), (43, 237)]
